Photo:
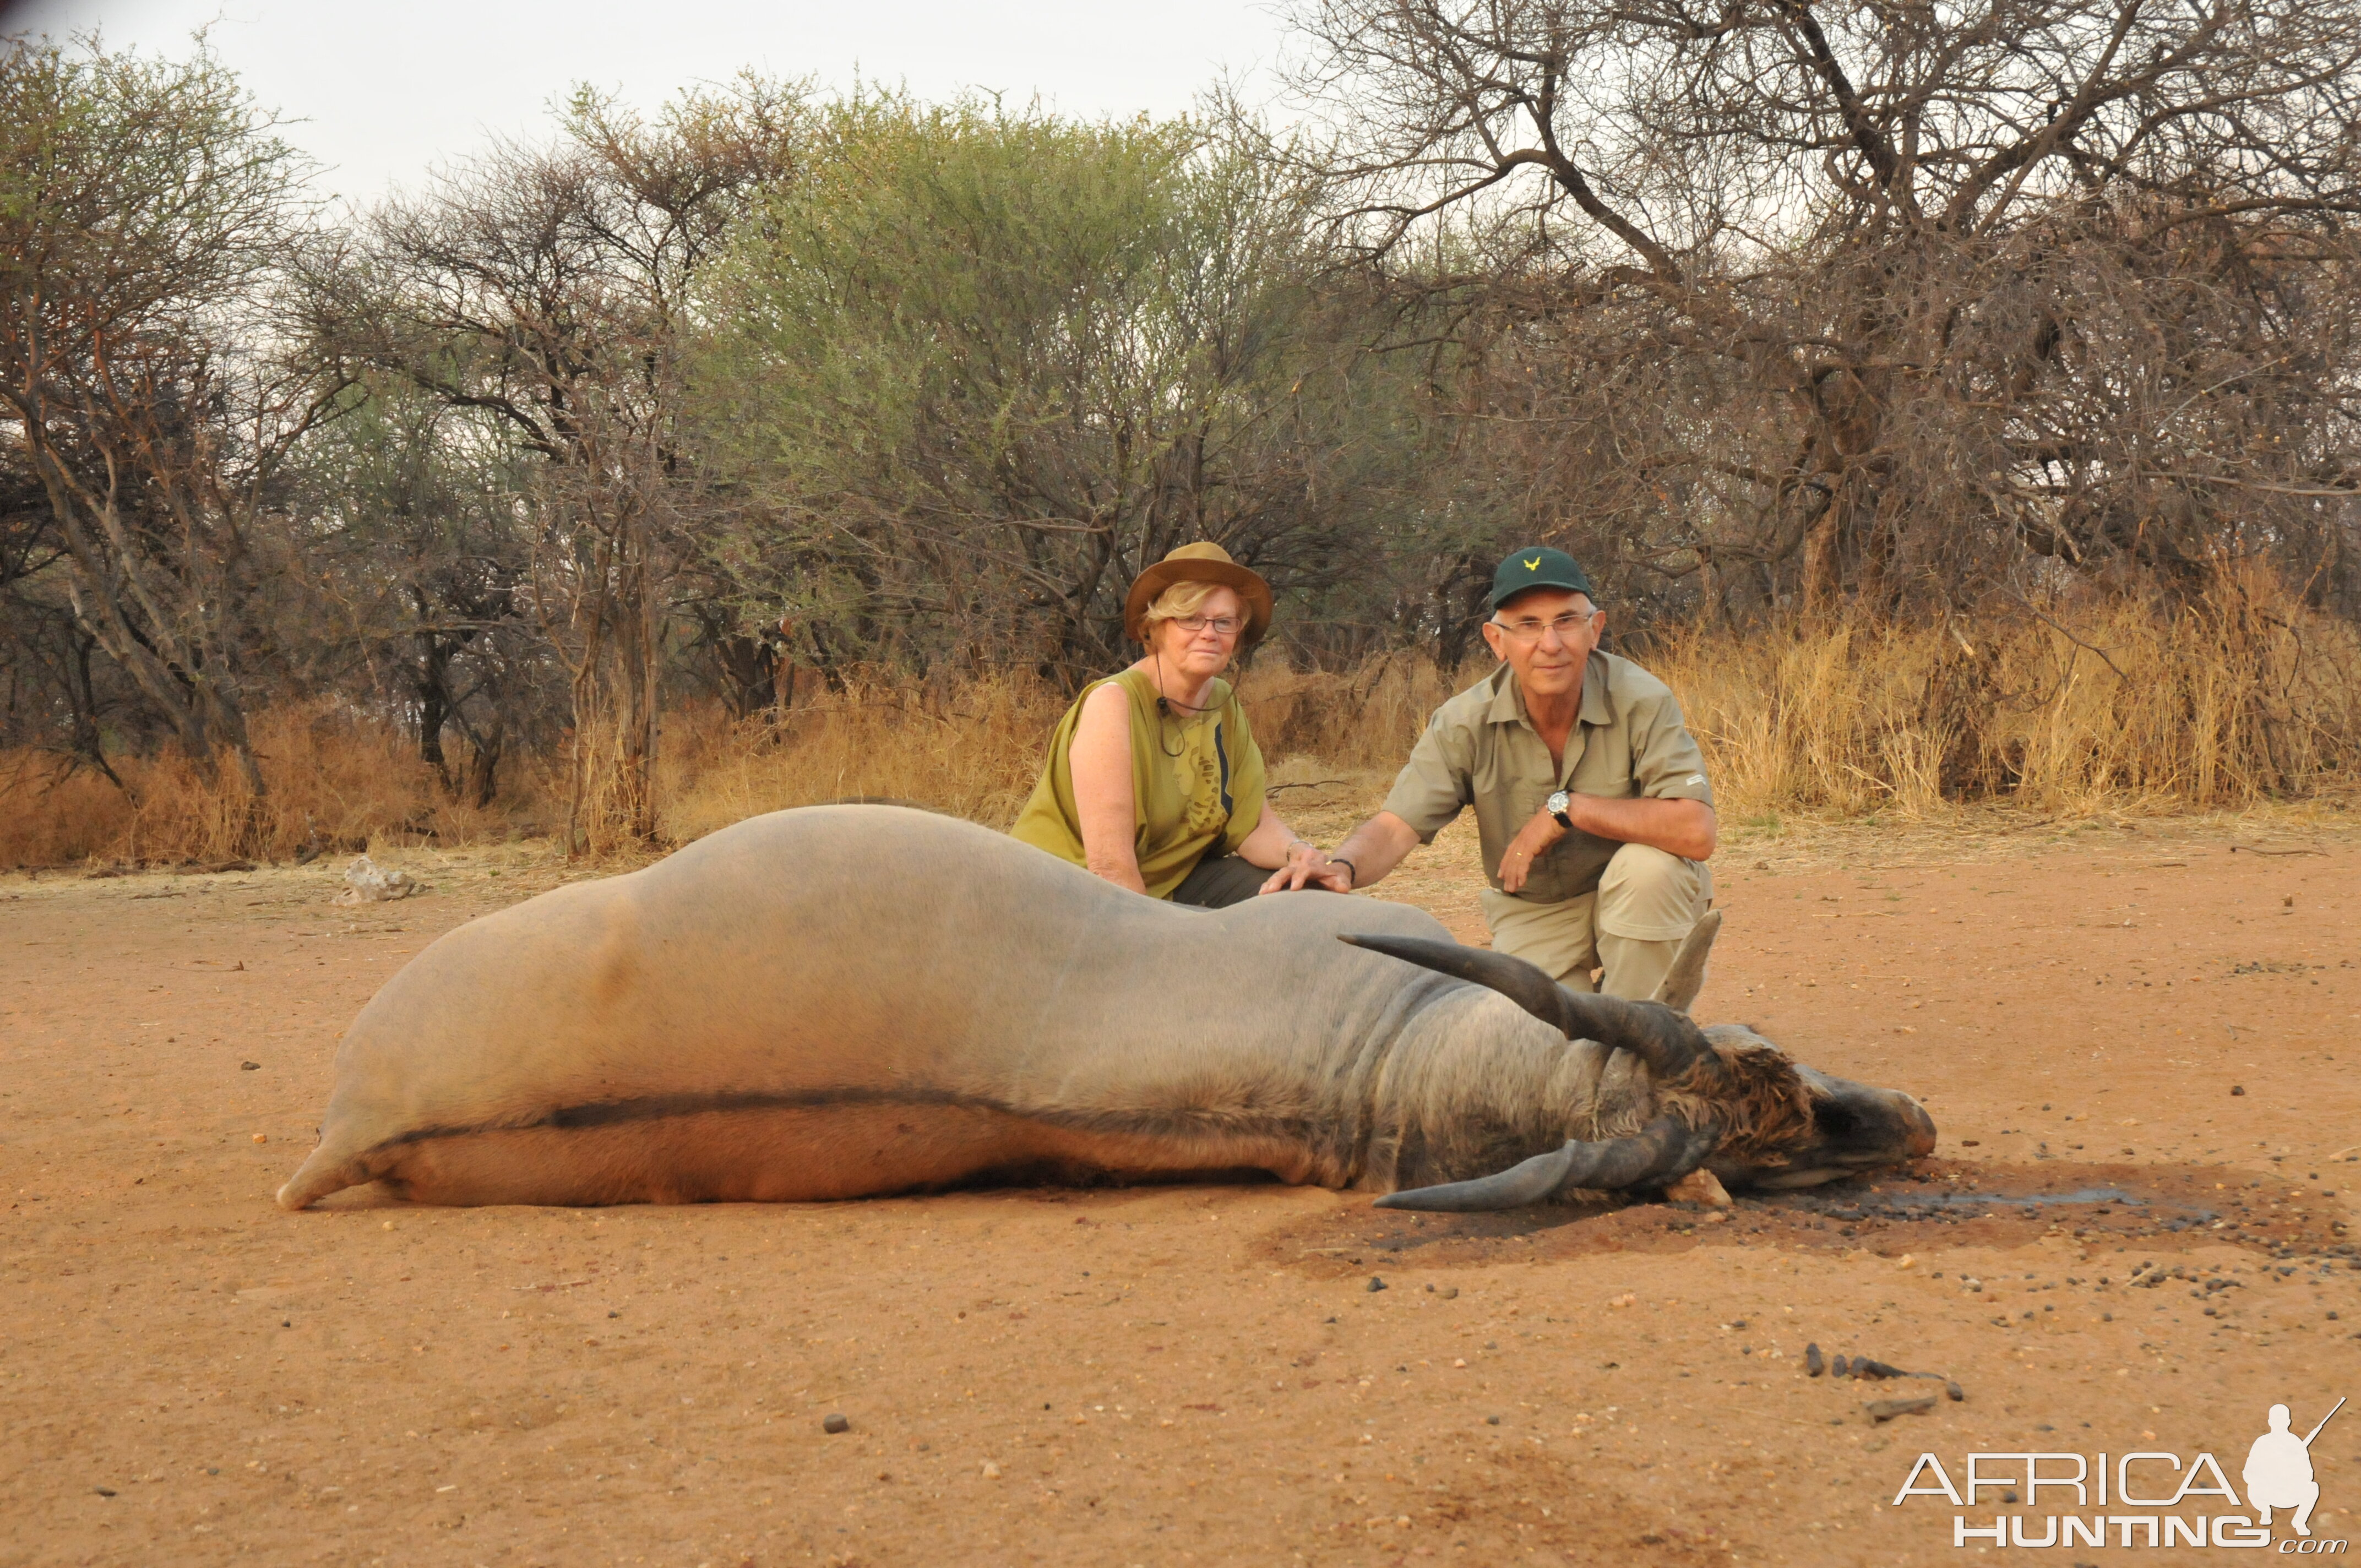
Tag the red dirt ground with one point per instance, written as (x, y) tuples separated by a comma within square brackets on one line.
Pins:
[(1199, 1375)]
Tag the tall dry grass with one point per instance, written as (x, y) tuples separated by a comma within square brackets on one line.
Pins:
[(2117, 706), (976, 748), (970, 748), (2238, 698), (333, 779)]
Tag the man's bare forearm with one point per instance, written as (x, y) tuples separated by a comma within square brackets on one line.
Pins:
[(1684, 828), (1376, 846)]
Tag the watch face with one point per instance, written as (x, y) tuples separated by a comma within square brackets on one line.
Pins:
[(1558, 802)]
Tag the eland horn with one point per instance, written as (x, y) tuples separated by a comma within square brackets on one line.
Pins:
[(1662, 1037), (1661, 1152)]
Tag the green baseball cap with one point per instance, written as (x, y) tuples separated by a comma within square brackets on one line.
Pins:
[(1540, 568)]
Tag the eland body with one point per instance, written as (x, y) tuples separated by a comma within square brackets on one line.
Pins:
[(853, 1000)]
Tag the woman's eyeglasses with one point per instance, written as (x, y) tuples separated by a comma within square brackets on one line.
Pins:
[(1220, 625)]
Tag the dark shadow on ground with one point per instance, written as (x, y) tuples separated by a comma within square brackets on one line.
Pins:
[(1935, 1204)]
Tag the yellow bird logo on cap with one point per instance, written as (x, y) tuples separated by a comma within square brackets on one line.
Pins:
[(1534, 565)]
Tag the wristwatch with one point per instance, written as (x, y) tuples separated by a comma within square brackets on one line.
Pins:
[(1556, 805)]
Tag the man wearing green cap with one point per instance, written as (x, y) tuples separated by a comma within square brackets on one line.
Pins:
[(1590, 796)]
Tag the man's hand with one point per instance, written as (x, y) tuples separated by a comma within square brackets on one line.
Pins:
[(1517, 860), (1308, 865)]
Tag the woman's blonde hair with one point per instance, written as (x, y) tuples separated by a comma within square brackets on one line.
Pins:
[(1180, 600)]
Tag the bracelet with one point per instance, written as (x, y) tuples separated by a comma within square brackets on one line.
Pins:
[(1341, 861)]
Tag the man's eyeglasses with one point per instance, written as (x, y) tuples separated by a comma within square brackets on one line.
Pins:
[(1220, 625), (1568, 627)]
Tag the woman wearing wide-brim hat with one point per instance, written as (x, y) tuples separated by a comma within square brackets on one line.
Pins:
[(1154, 781)]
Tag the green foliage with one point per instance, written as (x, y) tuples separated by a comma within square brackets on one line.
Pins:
[(142, 189), (978, 367)]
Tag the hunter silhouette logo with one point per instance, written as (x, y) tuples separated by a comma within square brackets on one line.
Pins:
[(2147, 1497), (2278, 1471), (1534, 565)]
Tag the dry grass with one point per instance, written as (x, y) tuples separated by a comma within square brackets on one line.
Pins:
[(972, 749), (2120, 708), (2115, 709), (976, 747), (333, 781)]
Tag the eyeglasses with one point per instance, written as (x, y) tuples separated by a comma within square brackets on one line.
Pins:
[(1568, 627), (1220, 625)]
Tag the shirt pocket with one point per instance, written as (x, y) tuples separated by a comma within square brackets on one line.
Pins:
[(1605, 769)]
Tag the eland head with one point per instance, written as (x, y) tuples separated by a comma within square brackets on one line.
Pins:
[(1726, 1101)]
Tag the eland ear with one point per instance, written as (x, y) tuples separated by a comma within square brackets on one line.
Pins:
[(1686, 976)]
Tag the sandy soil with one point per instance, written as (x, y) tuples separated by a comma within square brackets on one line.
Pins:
[(1200, 1375)]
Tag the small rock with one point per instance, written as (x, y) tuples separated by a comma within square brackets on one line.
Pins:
[(1954, 1390), (104, 1491), (1881, 1410), (1813, 1364), (1449, 1293), (368, 883), (250, 1067), (1843, 1368), (991, 1471), (835, 1422), (1376, 1284), (1491, 1421), (261, 1138), (2237, 1089)]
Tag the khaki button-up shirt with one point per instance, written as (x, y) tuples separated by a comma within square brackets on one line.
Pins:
[(1481, 750)]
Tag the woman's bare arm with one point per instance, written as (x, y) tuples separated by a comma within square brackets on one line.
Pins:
[(1274, 844), (1100, 758)]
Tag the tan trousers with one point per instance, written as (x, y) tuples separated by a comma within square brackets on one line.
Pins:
[(1630, 927)]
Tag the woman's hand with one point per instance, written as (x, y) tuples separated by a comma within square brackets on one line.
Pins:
[(1308, 865), (1294, 862)]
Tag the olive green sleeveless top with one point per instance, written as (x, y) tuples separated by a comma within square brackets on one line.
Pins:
[(1196, 784)]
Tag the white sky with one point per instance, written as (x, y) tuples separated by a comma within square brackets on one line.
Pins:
[(388, 88)]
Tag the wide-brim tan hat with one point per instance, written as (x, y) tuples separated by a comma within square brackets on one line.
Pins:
[(1203, 563)]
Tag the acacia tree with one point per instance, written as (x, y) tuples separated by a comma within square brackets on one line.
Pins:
[(1874, 300), (54, 694), (974, 370), (545, 288), (417, 522), (144, 210)]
